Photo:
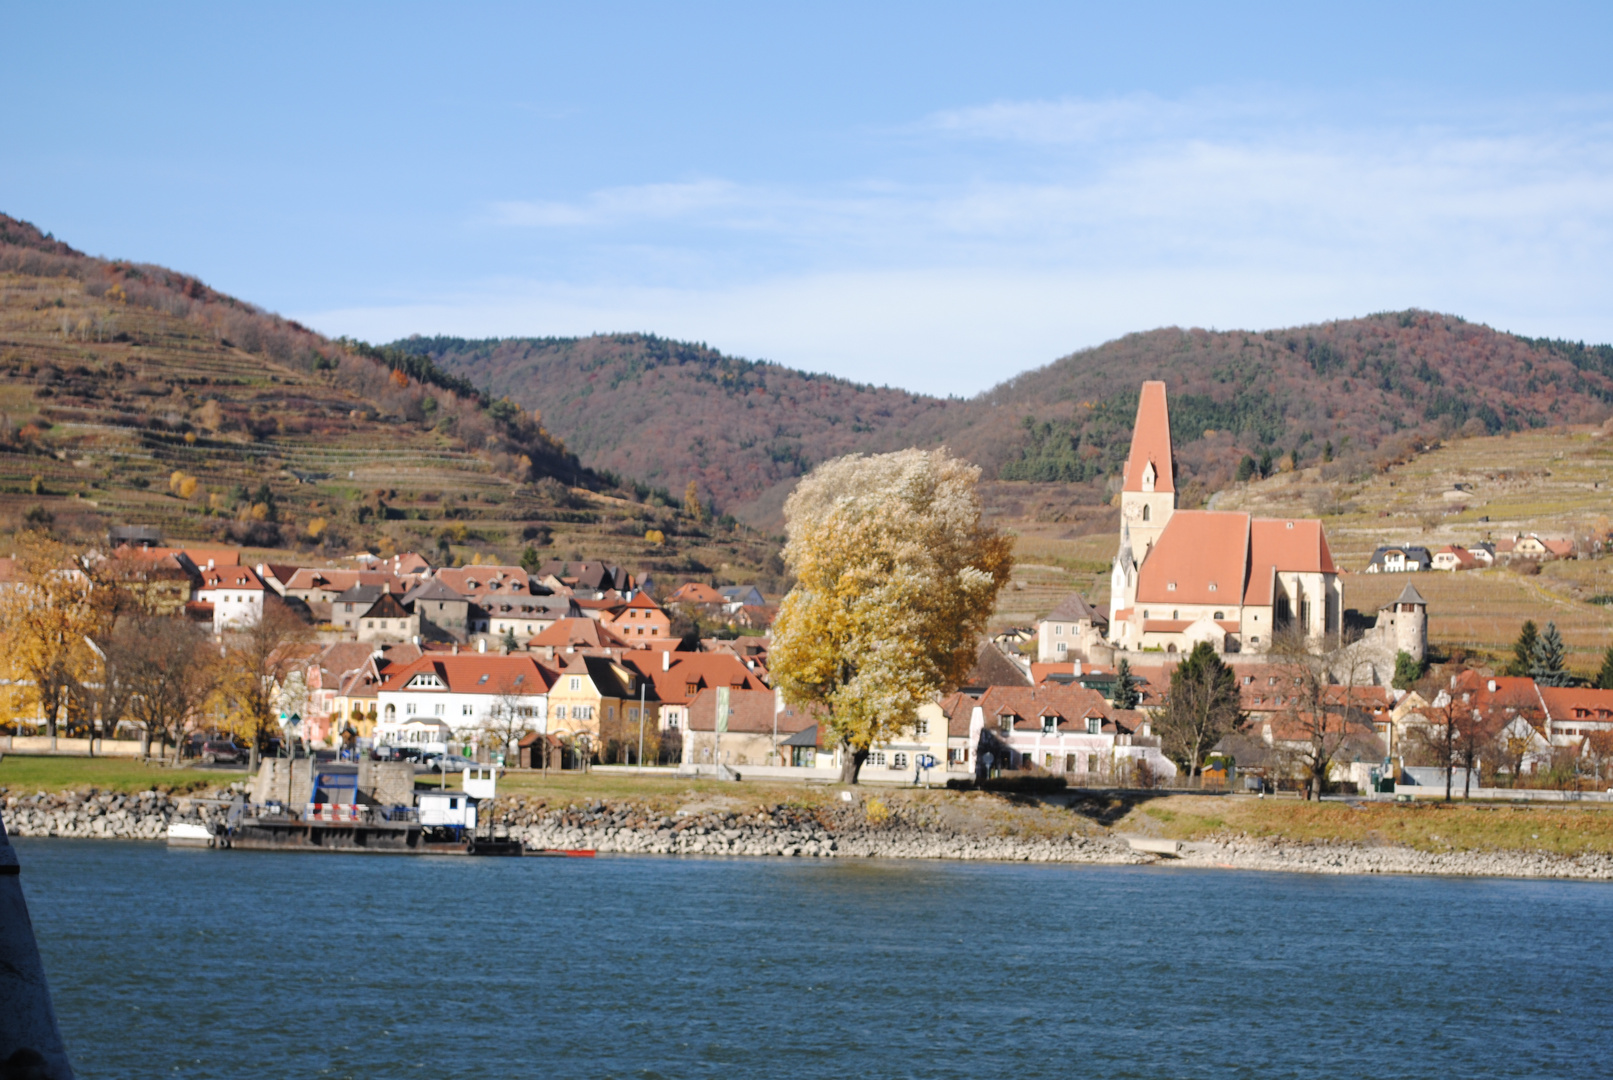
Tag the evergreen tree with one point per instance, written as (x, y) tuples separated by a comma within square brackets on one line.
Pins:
[(1407, 670), (510, 643), (1604, 678), (1203, 706), (1246, 469), (1523, 650), (1126, 695), (531, 560), (1547, 659), (1266, 467)]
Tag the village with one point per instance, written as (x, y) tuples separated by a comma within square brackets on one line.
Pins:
[(428, 672)]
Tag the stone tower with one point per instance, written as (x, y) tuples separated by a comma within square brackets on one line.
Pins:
[(1410, 620), (1148, 491)]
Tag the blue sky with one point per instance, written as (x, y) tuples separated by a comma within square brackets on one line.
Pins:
[(927, 195)]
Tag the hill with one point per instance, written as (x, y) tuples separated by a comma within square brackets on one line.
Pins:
[(130, 393), (1362, 391)]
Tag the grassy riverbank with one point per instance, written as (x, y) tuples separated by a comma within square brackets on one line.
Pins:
[(22, 775), (1423, 826)]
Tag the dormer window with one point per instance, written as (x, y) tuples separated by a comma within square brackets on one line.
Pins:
[(1148, 481), (1050, 725), (1005, 721), (1094, 725)]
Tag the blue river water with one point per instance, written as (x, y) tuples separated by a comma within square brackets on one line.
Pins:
[(194, 963)]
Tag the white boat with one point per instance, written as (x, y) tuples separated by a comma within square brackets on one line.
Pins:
[(189, 834)]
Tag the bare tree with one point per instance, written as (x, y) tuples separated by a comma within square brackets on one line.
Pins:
[(258, 656), (1322, 715), (508, 720), (168, 669)]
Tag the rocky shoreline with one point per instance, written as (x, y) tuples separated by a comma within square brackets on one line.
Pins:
[(839, 832)]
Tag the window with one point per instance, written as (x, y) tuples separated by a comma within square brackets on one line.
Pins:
[(1058, 630), (1006, 721), (1170, 586), (349, 607), (1094, 725), (576, 682), (436, 710), (1145, 511), (1050, 724), (1063, 647), (464, 710), (1047, 762), (391, 712), (876, 757), (1219, 615), (921, 726), (1176, 614), (409, 708), (482, 680), (672, 720), (898, 761), (560, 712)]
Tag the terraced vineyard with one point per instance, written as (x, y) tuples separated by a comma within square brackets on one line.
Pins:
[(116, 413)]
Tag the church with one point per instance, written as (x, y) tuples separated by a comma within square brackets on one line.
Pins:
[(1228, 578)]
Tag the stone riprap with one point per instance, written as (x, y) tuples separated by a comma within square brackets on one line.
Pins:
[(788, 832), (105, 816), (840, 831), (1326, 858)]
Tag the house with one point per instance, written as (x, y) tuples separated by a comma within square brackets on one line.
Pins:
[(235, 594), (485, 587), (161, 581), (588, 577), (740, 727), (996, 665), (594, 698), (1535, 546), (322, 585), (1069, 630), (1450, 558), (349, 606), (737, 596), (522, 616), (1483, 553), (1066, 730), (1185, 576), (443, 614), (1574, 713), (756, 616), (387, 620), (569, 635), (467, 693), (1404, 559), (677, 678), (358, 680), (696, 594), (642, 623)]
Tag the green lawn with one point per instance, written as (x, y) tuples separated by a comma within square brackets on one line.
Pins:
[(21, 775)]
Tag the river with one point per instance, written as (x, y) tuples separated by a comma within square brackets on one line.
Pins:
[(194, 963)]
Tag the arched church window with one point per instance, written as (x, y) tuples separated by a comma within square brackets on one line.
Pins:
[(1146, 510)]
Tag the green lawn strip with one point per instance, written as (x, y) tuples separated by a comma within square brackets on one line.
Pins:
[(1424, 826), (22, 775)]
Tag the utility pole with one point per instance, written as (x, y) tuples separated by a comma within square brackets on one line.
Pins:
[(641, 690)]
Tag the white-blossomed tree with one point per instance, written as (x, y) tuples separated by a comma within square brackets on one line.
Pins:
[(896, 576)]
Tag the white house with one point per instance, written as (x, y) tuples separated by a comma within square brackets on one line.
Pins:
[(469, 693), (235, 593), (1069, 630)]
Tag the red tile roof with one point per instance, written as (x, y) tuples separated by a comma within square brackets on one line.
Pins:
[(1151, 441), (571, 633), (1288, 544), (1197, 550), (231, 577), (463, 674), (698, 671)]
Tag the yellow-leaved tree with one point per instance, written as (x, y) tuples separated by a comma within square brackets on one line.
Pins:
[(896, 575)]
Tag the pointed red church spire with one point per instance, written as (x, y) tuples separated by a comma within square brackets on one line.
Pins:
[(1151, 442)]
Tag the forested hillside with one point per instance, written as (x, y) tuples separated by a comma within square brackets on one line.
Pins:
[(133, 394), (1359, 391), (667, 412)]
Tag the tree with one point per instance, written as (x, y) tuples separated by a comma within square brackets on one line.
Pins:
[(509, 644), (1523, 650), (1247, 469), (1546, 659), (1408, 669), (507, 722), (691, 502), (1126, 695), (170, 669), (896, 575), (1322, 716), (258, 657), (1604, 677), (1203, 708), (60, 602), (530, 559)]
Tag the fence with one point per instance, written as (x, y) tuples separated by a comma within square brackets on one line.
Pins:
[(45, 746)]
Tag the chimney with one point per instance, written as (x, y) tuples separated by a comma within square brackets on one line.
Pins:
[(210, 564), (1492, 686), (666, 659), (456, 648), (481, 645)]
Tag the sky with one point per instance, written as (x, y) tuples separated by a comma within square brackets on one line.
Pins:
[(934, 196)]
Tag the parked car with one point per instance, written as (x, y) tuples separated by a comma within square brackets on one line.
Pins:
[(446, 763), (212, 751), (396, 753)]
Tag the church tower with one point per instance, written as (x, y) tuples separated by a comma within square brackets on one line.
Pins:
[(1148, 493)]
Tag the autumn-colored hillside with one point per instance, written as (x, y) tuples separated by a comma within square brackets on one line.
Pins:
[(1355, 390), (133, 394)]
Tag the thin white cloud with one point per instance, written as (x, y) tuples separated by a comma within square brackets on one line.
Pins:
[(1076, 222)]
